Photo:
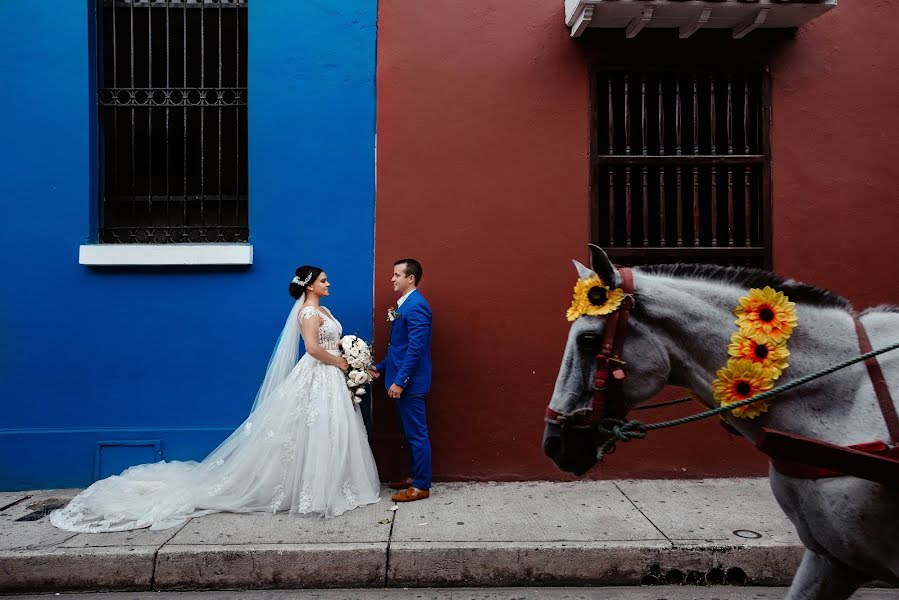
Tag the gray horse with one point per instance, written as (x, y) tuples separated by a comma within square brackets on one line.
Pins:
[(679, 331)]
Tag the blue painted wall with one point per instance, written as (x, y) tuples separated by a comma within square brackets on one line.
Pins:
[(89, 355)]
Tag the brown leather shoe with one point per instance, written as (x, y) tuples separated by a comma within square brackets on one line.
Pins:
[(410, 495), (401, 484)]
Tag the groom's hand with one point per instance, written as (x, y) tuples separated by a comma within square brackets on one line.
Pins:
[(395, 391)]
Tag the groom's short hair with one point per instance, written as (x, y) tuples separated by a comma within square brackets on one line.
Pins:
[(412, 267)]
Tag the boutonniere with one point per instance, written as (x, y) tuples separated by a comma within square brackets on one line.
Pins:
[(392, 314)]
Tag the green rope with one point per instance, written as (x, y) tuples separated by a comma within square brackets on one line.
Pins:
[(661, 404), (618, 429)]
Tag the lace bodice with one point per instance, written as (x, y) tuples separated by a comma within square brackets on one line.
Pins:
[(330, 330)]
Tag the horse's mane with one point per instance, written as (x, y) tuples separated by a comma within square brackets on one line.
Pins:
[(748, 277), (883, 308)]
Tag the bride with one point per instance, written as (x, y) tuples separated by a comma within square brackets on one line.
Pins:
[(302, 449)]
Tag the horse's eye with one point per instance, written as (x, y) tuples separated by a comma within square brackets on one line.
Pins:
[(590, 341)]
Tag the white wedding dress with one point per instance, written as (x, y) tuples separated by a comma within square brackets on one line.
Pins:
[(303, 449)]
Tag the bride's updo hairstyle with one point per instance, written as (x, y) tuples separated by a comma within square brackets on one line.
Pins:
[(304, 273)]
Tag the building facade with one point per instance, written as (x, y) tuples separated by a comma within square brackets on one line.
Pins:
[(493, 169), (168, 167), (115, 353)]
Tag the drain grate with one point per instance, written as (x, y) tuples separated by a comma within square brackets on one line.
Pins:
[(42, 509), (714, 576)]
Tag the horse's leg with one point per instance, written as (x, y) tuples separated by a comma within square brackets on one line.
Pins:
[(821, 578)]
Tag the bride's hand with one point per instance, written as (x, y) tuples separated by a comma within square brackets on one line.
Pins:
[(343, 365)]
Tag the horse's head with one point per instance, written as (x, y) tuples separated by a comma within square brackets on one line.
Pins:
[(611, 352)]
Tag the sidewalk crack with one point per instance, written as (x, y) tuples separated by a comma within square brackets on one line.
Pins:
[(61, 542), (19, 501), (645, 516), (156, 553), (389, 539)]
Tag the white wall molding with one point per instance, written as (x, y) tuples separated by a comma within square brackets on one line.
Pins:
[(124, 255)]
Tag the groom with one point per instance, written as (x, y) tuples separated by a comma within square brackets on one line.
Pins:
[(407, 371)]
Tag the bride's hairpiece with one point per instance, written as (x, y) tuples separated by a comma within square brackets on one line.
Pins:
[(302, 282)]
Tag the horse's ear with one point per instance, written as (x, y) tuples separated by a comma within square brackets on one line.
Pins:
[(582, 271), (603, 267)]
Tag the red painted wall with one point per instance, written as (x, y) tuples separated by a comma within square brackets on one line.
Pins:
[(482, 175)]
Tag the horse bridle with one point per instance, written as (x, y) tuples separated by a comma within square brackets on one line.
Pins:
[(610, 368)]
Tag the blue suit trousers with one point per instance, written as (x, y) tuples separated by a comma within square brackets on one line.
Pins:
[(415, 428)]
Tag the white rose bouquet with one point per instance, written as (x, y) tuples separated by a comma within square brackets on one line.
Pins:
[(358, 354)]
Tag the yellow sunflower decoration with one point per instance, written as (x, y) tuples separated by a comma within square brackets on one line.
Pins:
[(594, 298), (769, 355), (758, 350), (766, 315), (742, 379)]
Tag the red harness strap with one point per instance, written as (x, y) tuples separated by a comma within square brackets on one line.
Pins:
[(880, 384), (805, 458), (608, 361)]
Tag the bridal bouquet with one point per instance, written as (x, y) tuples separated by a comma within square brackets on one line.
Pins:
[(358, 354)]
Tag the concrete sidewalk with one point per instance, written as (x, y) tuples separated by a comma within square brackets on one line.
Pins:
[(473, 534)]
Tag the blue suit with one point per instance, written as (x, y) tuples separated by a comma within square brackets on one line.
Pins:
[(408, 365)]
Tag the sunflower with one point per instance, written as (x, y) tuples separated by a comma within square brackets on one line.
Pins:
[(592, 297), (742, 379), (767, 354), (766, 315)]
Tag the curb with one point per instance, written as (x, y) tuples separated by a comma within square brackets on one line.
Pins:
[(411, 564)]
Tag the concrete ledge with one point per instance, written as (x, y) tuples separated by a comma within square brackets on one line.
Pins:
[(77, 569), (411, 564), (578, 563), (124, 255), (424, 564), (271, 566)]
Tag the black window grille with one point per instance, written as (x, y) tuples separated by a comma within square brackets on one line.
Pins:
[(172, 78), (680, 166)]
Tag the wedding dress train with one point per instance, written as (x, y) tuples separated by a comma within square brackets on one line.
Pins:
[(303, 449)]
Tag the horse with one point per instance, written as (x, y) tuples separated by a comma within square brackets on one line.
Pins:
[(678, 329)]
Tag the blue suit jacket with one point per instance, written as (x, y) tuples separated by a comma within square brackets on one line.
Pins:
[(408, 361)]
